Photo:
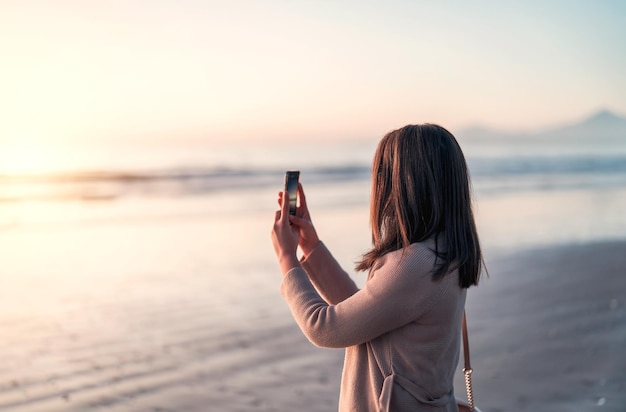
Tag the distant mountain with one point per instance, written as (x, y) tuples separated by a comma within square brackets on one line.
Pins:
[(602, 126)]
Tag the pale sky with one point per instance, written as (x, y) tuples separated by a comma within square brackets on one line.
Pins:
[(181, 70)]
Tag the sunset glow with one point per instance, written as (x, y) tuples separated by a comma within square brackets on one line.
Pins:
[(76, 72)]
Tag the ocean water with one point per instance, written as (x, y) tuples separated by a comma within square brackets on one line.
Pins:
[(573, 190)]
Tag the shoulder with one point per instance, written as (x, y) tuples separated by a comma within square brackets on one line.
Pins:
[(419, 252), (406, 277), (413, 262)]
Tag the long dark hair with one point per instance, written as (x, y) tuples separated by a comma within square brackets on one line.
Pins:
[(421, 190)]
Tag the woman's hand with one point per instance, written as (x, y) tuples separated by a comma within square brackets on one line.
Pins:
[(285, 237), (308, 238)]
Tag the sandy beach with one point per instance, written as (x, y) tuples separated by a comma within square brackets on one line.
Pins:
[(547, 333), (548, 330), (173, 304)]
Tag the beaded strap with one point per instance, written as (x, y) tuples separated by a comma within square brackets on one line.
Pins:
[(467, 370)]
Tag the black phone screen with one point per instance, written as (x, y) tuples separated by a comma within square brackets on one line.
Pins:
[(291, 186)]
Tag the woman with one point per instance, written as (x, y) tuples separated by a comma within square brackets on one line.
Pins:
[(401, 331)]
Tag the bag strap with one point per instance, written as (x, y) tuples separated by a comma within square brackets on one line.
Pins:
[(467, 369)]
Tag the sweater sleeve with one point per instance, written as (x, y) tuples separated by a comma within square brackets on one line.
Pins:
[(327, 276), (397, 292)]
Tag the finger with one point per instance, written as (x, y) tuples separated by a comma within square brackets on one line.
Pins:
[(302, 196), (285, 206), (280, 199), (298, 221)]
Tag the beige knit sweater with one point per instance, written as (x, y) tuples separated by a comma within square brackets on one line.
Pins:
[(401, 331)]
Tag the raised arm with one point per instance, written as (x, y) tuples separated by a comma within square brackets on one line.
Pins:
[(398, 292), (334, 284)]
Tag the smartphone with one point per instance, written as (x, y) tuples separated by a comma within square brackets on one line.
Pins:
[(291, 187)]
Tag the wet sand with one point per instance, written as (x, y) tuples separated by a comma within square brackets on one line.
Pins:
[(547, 330)]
